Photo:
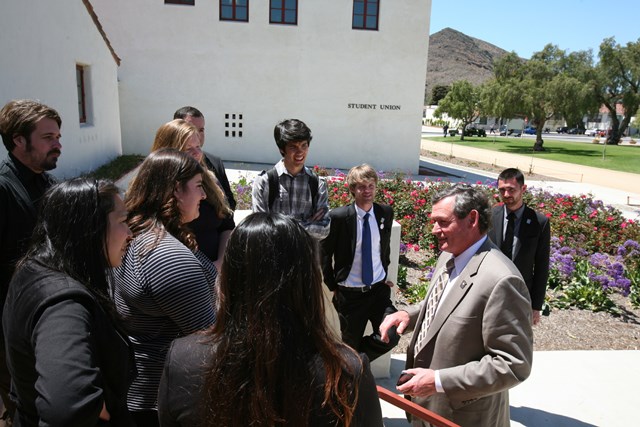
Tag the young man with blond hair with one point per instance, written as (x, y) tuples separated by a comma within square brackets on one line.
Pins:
[(356, 256)]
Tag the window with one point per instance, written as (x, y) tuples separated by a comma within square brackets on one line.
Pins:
[(365, 14), (82, 99), (283, 12), (233, 125), (234, 10), (189, 2)]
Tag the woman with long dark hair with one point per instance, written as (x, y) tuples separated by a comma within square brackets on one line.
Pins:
[(215, 222), (69, 361), (164, 288), (270, 359)]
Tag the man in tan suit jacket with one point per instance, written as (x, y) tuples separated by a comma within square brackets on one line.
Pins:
[(478, 343)]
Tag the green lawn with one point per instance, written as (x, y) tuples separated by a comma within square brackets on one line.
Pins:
[(623, 158)]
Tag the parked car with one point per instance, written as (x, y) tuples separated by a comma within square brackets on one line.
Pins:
[(529, 130), (575, 131), (562, 129), (503, 130), (595, 132), (472, 131)]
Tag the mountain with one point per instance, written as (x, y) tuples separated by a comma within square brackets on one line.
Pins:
[(455, 56)]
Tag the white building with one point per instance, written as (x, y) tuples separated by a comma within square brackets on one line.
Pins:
[(359, 90), (57, 53)]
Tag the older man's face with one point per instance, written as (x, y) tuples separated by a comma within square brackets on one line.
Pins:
[(454, 234)]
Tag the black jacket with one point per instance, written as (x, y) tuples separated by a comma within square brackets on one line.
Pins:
[(339, 247), (65, 354), (214, 163), (184, 375), (531, 254), (20, 192)]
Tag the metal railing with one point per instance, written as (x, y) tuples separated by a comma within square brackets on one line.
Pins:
[(414, 409)]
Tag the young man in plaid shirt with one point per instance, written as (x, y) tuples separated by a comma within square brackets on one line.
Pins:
[(291, 188)]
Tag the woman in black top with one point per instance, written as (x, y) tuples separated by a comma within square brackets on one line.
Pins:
[(270, 358), (70, 364)]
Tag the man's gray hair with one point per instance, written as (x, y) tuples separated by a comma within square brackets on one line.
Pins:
[(467, 198)]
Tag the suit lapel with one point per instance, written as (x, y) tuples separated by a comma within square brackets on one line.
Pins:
[(526, 224), (352, 223), (498, 224)]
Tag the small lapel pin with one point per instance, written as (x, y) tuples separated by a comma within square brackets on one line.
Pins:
[(529, 221), (381, 226), (463, 284)]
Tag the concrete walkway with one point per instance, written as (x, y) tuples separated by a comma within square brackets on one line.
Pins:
[(565, 389)]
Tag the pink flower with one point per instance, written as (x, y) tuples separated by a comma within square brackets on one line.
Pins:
[(575, 217), (593, 214), (541, 205), (610, 218)]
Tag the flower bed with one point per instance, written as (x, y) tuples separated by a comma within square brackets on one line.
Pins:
[(594, 252)]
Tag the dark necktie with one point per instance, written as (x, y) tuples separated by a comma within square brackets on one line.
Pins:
[(507, 243), (367, 263)]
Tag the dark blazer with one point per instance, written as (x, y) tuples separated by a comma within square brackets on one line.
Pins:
[(65, 354), (185, 372), (531, 251), (480, 340), (338, 249), (214, 163)]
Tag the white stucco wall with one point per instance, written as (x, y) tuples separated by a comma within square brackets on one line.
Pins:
[(176, 55), (41, 43)]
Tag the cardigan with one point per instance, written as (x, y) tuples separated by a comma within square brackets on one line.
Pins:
[(65, 354)]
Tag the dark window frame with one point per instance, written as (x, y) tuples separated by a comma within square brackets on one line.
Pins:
[(365, 15), (184, 2), (82, 98), (282, 9), (234, 8)]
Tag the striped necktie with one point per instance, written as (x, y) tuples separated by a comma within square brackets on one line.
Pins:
[(432, 304)]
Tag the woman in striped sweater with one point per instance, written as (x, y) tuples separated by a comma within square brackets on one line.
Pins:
[(164, 288)]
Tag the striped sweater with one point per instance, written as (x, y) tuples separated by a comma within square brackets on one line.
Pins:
[(162, 294)]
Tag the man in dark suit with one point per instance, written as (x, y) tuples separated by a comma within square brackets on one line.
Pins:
[(355, 262), (526, 242), (214, 163), (473, 339)]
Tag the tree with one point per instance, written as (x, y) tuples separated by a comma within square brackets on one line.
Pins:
[(461, 103), (439, 92), (617, 81), (551, 82)]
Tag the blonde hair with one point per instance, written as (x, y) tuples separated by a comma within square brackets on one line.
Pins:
[(359, 174), (176, 134)]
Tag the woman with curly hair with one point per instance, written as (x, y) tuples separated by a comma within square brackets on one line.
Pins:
[(165, 287), (215, 222), (270, 359)]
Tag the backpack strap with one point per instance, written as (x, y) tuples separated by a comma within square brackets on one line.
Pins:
[(274, 186), (313, 187)]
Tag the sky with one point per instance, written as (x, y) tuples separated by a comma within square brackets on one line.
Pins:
[(526, 27)]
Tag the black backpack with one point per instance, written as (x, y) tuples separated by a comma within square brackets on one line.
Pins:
[(274, 187)]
